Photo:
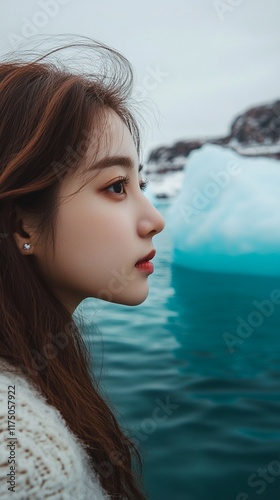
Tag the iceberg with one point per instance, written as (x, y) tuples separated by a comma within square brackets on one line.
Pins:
[(227, 216)]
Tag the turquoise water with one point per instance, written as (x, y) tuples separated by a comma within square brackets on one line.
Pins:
[(198, 391)]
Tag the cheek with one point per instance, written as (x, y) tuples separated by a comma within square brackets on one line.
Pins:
[(91, 241), (86, 225)]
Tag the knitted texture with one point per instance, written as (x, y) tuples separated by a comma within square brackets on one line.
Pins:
[(50, 460)]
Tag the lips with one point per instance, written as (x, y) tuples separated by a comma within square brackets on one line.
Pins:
[(148, 257), (144, 265)]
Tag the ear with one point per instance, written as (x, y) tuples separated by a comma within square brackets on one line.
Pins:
[(24, 230)]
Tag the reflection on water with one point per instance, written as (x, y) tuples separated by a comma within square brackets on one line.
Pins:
[(194, 373), (231, 431), (225, 318)]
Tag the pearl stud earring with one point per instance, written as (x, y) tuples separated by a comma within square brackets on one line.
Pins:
[(26, 246)]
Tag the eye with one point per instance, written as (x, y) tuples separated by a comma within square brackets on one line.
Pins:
[(143, 184), (118, 186)]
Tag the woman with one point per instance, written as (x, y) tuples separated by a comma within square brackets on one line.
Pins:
[(74, 224)]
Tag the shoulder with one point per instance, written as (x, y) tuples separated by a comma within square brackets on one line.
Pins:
[(50, 461)]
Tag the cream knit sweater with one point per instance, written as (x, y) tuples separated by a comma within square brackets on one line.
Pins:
[(50, 461)]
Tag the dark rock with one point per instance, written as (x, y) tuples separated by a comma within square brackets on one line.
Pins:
[(167, 154), (258, 126)]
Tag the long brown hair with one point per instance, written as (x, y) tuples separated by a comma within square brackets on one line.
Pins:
[(44, 111)]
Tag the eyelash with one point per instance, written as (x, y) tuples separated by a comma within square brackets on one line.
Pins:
[(124, 181)]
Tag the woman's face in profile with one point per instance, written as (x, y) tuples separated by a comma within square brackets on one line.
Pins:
[(104, 229)]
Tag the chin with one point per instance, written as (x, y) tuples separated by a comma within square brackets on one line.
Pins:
[(132, 300), (136, 302), (131, 296)]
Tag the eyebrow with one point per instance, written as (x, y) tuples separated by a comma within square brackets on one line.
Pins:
[(113, 161)]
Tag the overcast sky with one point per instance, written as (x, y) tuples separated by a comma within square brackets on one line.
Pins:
[(198, 62)]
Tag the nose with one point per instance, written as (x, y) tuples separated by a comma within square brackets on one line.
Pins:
[(150, 222)]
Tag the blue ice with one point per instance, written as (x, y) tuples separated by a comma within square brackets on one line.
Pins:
[(227, 216)]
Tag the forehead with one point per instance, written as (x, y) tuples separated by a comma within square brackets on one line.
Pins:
[(112, 140)]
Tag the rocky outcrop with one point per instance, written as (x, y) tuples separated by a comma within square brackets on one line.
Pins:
[(256, 132), (259, 125)]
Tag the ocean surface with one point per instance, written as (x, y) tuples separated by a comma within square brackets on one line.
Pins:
[(193, 374)]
